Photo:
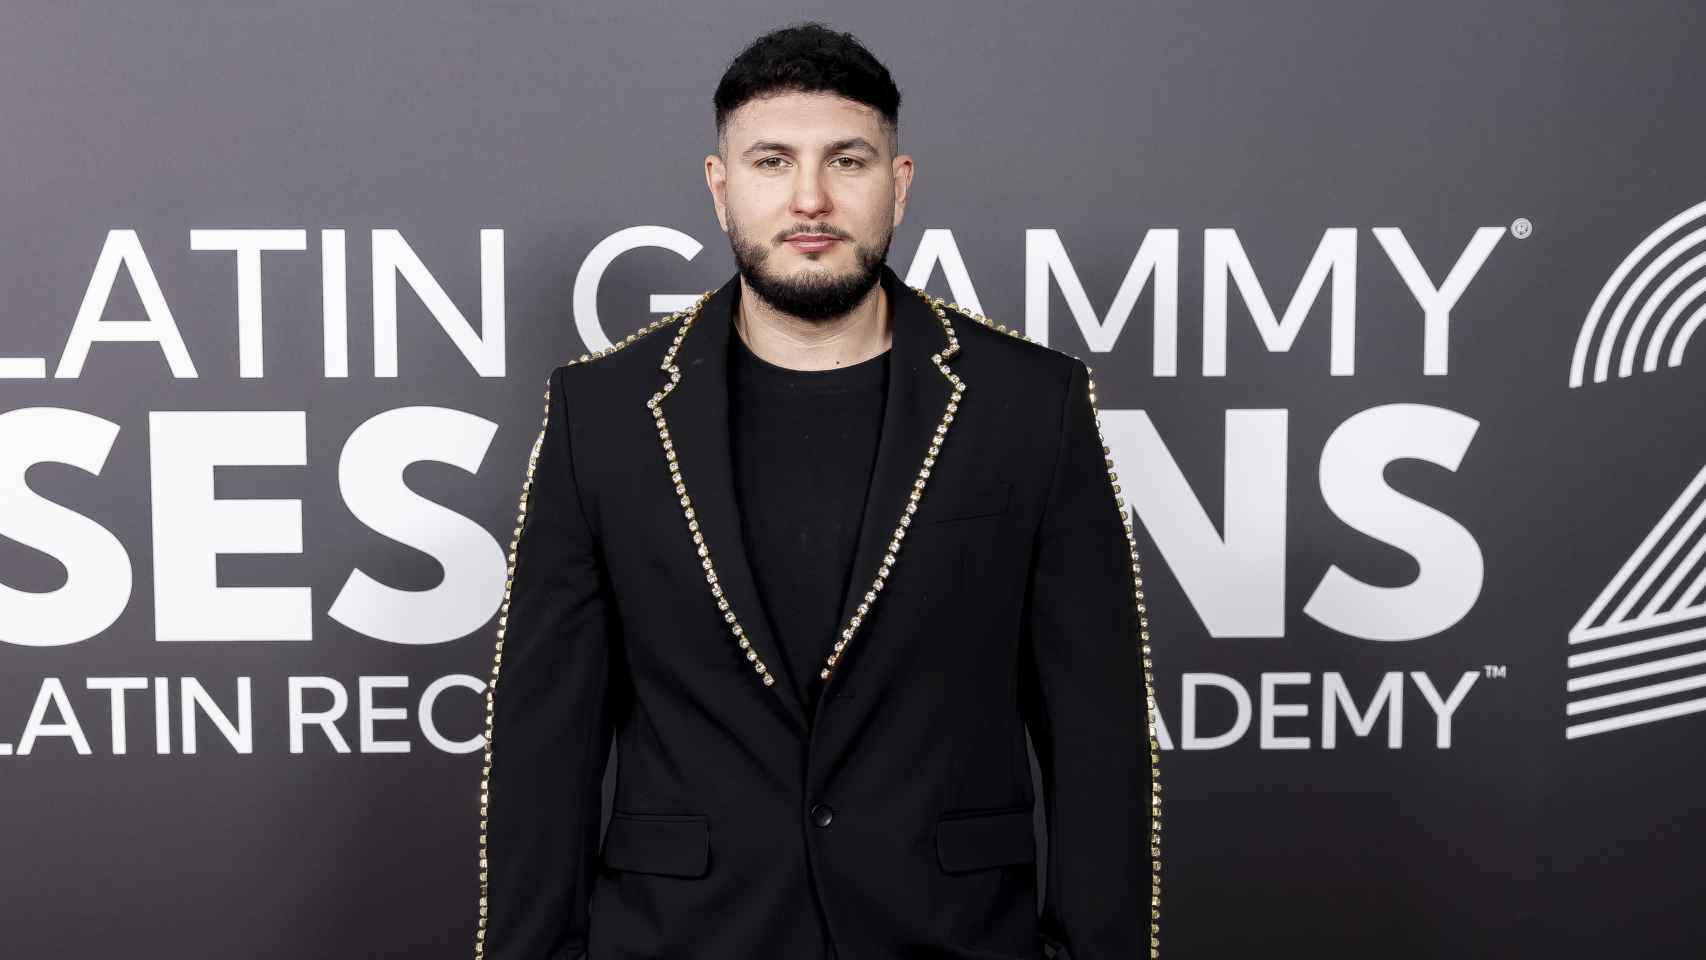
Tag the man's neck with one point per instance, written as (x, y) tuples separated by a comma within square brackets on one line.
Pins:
[(788, 341)]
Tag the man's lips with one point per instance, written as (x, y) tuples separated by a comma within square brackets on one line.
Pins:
[(810, 242)]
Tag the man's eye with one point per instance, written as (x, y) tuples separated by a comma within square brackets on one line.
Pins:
[(851, 162), (765, 163)]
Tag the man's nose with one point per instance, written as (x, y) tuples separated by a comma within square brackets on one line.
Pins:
[(811, 200)]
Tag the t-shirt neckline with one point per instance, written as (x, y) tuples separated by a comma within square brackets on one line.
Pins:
[(760, 372)]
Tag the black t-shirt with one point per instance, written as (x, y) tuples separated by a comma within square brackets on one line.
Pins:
[(804, 443)]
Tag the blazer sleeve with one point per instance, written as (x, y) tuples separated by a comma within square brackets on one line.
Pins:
[(1086, 695), (548, 723)]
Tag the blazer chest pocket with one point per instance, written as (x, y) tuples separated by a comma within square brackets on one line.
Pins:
[(672, 845), (938, 505), (975, 841)]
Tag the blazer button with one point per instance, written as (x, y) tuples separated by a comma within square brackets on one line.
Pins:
[(822, 814)]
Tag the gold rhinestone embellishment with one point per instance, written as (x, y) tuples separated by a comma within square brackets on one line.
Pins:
[(655, 404), (1143, 630), (503, 618), (899, 533), (497, 662)]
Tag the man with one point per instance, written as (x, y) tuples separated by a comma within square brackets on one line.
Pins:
[(818, 550)]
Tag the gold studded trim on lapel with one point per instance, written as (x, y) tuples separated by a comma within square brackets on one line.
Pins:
[(897, 536), (655, 404), (1143, 631), (740, 634)]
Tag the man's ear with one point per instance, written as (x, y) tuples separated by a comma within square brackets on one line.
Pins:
[(902, 169), (717, 181)]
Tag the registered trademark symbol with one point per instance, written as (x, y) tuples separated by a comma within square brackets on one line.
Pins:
[(1521, 228)]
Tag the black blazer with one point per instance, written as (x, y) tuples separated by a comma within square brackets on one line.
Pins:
[(996, 588)]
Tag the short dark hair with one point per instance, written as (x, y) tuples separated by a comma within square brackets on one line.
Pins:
[(808, 57)]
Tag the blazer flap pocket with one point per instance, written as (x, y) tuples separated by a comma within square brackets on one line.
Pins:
[(972, 841), (957, 504), (672, 845)]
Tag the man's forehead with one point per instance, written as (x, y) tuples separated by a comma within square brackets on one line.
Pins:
[(825, 116)]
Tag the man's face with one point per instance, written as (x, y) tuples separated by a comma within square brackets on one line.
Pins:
[(809, 192)]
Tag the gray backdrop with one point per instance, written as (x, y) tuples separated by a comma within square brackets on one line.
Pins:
[(1531, 557)]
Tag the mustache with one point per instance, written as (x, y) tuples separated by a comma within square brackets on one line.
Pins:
[(819, 229)]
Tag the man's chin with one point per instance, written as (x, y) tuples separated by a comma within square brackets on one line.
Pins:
[(807, 275), (812, 295), (812, 275), (806, 285)]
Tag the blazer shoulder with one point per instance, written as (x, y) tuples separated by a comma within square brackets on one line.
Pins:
[(660, 323), (1009, 349), (634, 360)]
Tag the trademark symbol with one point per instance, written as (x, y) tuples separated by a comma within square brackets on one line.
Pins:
[(1521, 228), (1493, 672)]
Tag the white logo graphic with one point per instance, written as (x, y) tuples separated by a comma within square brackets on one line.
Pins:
[(1643, 297), (1654, 604), (1667, 585)]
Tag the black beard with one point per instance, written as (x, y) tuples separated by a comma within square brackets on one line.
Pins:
[(816, 297)]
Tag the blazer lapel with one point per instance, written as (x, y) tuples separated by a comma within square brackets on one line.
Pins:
[(923, 394), (922, 397), (698, 426)]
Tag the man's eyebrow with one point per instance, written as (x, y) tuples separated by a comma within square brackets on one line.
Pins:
[(847, 143), (853, 143), (765, 146)]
